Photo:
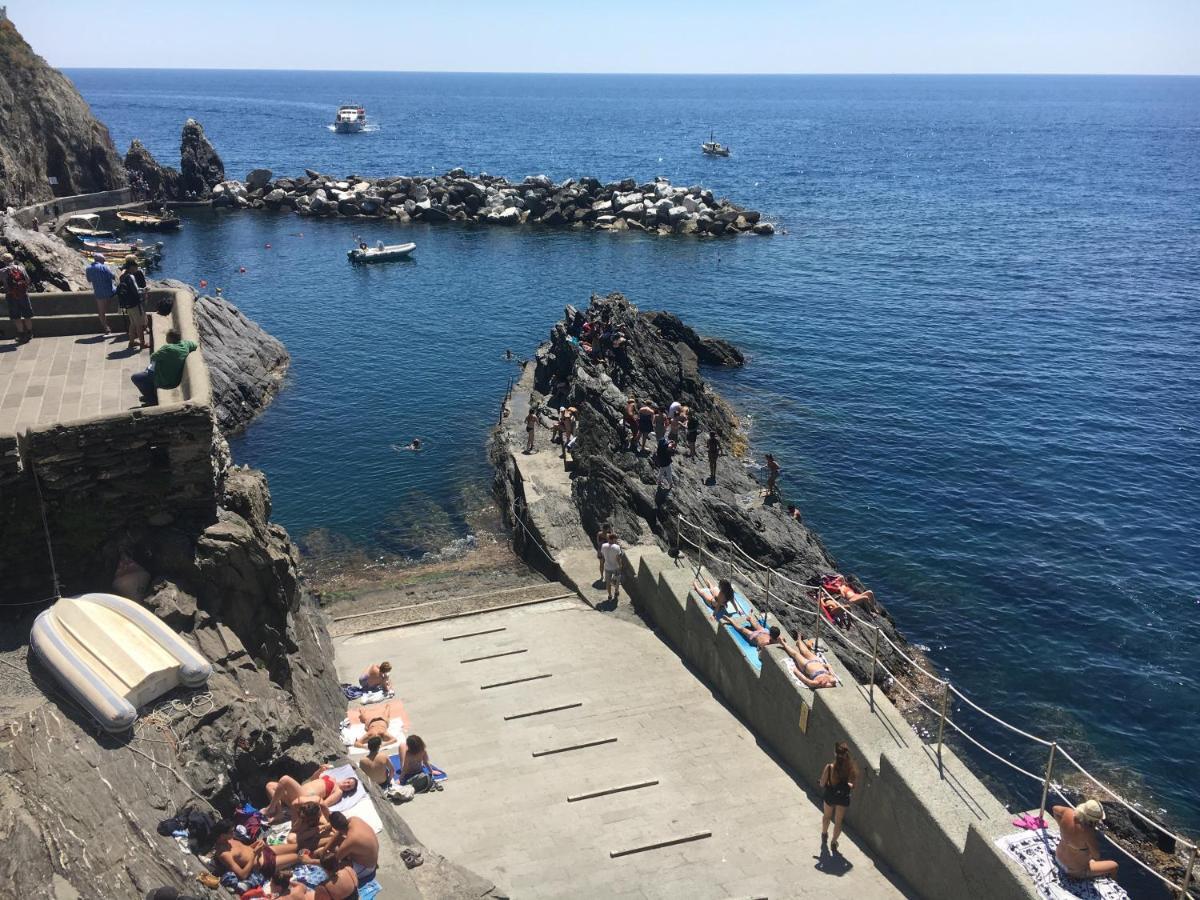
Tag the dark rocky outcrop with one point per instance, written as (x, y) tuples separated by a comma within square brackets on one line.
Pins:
[(149, 179), (708, 350), (51, 264), (200, 167), (47, 131)]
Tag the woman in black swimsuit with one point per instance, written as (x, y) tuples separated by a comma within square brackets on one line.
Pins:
[(837, 781)]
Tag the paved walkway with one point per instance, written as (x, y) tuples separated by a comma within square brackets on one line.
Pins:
[(57, 379), (505, 812)]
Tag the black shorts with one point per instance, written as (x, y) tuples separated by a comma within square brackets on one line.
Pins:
[(19, 309)]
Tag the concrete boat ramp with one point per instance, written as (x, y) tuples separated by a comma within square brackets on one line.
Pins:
[(586, 760)]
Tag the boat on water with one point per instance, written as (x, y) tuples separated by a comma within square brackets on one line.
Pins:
[(713, 147), (88, 226), (350, 119), (149, 221), (113, 656), (103, 245), (380, 253)]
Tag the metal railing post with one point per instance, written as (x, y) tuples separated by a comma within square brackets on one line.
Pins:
[(1187, 876), (817, 634), (942, 722), (1046, 782), (768, 588), (874, 660)]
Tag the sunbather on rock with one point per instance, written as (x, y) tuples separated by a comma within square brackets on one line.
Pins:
[(287, 791), (840, 588), (812, 671), (244, 859), (354, 842), (377, 766), (377, 678)]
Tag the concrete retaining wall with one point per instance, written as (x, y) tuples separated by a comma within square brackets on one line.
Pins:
[(934, 825), (61, 206)]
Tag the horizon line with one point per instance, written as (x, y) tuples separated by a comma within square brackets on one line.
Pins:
[(643, 74)]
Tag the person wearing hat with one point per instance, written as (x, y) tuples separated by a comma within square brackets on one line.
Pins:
[(130, 292), (14, 284), (1078, 850), (104, 287)]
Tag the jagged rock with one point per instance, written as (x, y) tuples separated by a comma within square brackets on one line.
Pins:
[(764, 228), (712, 351), (258, 179), (200, 167), (48, 131), (51, 264), (149, 179)]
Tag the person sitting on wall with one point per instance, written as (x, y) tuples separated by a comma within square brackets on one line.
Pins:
[(1078, 850), (812, 671), (287, 791), (166, 368), (379, 676)]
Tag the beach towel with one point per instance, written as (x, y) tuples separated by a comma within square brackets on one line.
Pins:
[(352, 691), (347, 771), (369, 890), (351, 733), (365, 810), (397, 764), (368, 697), (795, 676), (749, 650), (1034, 852)]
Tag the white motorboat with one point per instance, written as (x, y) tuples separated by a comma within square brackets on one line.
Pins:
[(88, 225), (714, 148), (380, 253), (350, 119)]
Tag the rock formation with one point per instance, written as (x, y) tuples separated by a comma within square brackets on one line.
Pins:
[(48, 131), (149, 179), (200, 168), (52, 265), (657, 207)]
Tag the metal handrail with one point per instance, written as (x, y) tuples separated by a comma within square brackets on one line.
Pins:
[(1056, 749)]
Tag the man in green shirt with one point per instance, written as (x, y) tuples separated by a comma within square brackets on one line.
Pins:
[(166, 368)]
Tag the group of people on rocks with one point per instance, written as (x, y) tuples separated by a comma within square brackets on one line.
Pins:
[(603, 341)]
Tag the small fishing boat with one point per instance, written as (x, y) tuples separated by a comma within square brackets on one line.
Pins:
[(147, 258), (87, 226), (380, 253), (95, 244), (149, 221), (713, 147), (350, 119)]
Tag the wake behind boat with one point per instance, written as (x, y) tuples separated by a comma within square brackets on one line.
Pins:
[(380, 252), (350, 119)]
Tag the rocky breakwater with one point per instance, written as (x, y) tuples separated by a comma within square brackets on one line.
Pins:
[(656, 207)]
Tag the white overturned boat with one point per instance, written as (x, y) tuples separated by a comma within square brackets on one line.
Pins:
[(380, 253), (113, 656)]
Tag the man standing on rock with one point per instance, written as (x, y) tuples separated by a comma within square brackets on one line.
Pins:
[(14, 283), (714, 451), (104, 287)]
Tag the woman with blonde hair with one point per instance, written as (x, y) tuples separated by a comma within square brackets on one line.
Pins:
[(837, 781), (1078, 850)]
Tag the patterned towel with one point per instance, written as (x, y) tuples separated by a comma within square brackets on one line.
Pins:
[(1034, 852)]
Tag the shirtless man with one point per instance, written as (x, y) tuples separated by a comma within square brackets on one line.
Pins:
[(342, 883), (810, 668), (377, 726), (377, 677), (1078, 848), (354, 841), (310, 833), (287, 791), (244, 859), (377, 767)]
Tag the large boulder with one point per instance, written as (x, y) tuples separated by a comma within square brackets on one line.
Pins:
[(149, 179), (200, 166), (258, 179)]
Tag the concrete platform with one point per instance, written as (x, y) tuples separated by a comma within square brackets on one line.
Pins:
[(505, 812), (57, 379)]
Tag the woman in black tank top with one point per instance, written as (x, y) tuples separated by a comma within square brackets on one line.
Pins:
[(837, 781)]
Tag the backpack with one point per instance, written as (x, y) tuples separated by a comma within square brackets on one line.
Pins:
[(129, 292), (18, 284)]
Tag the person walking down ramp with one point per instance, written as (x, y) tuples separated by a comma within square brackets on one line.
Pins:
[(837, 781), (612, 553)]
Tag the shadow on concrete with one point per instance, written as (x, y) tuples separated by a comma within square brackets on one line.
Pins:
[(9, 348), (123, 353), (93, 339), (832, 863)]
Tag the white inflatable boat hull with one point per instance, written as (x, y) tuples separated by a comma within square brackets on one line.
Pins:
[(114, 656)]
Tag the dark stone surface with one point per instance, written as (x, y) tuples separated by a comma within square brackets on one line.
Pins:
[(710, 351), (149, 179), (200, 167)]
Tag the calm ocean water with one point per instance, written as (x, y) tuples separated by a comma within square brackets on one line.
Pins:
[(974, 349)]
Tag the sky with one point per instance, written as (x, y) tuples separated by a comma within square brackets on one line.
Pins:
[(1159, 37)]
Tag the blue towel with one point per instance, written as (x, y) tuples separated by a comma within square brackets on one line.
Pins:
[(744, 609), (398, 763), (369, 890)]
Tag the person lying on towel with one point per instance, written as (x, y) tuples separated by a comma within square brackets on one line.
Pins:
[(810, 668), (840, 588), (245, 859), (287, 791), (377, 726), (719, 597)]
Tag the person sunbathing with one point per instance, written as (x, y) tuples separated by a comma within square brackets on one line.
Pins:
[(839, 587), (1078, 850), (416, 759), (719, 597), (812, 671), (243, 859), (377, 766), (377, 678), (321, 788), (342, 884), (377, 726), (756, 634)]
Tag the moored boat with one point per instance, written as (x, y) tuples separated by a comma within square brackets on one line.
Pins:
[(87, 225), (149, 221), (380, 253), (350, 118)]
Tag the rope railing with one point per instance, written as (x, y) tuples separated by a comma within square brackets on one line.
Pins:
[(817, 594)]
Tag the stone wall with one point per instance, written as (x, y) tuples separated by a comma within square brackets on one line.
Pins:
[(63, 206), (935, 825)]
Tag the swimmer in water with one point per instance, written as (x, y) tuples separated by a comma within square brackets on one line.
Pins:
[(508, 354), (414, 444)]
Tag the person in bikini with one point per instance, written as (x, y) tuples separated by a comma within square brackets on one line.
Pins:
[(378, 768), (837, 585), (377, 726), (758, 635), (321, 788), (342, 883), (1078, 850), (812, 671), (354, 841), (416, 759), (243, 859), (721, 602)]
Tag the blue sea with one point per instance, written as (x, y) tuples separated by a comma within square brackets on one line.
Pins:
[(974, 349)]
